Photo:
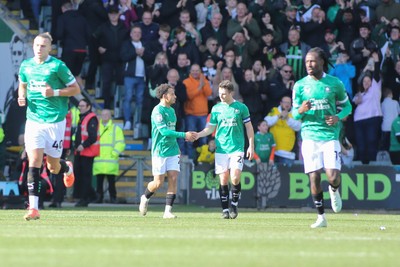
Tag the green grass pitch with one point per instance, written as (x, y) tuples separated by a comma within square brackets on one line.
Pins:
[(119, 236)]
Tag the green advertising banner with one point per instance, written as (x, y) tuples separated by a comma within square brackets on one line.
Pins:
[(363, 187)]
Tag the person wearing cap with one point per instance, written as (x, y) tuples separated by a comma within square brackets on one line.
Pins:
[(110, 37), (331, 47), (362, 48), (289, 22)]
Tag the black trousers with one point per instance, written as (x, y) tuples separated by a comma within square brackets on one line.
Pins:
[(83, 170), (111, 186)]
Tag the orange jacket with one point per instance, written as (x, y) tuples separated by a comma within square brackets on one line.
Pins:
[(94, 149), (197, 100)]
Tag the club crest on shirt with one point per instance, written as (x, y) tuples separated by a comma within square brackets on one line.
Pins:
[(158, 118), (307, 89), (237, 111), (327, 89)]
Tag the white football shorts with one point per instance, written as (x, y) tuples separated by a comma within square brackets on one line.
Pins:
[(161, 165), (224, 162), (321, 154), (48, 136)]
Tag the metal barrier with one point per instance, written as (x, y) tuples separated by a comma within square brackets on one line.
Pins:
[(140, 164)]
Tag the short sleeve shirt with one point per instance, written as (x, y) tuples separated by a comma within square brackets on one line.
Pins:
[(53, 72), (325, 94), (229, 120), (162, 145)]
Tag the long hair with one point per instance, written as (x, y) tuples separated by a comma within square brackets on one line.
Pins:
[(322, 55)]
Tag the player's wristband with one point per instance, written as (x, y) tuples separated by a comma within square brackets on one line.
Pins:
[(56, 93)]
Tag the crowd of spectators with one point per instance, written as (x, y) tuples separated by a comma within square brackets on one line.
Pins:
[(259, 45)]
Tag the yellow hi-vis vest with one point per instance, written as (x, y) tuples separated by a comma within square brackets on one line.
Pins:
[(112, 144)]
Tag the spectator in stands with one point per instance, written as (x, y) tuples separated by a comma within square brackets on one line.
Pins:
[(106, 165), (388, 9), (96, 15), (252, 90), (345, 71), (73, 33), (279, 86), (204, 10), (86, 147), (243, 20), (381, 31), (394, 43), (283, 127), (149, 5), (267, 25), (390, 111), (229, 11), (206, 153), (149, 28), (132, 54), (347, 23), (127, 13), (368, 113), (244, 46), (182, 45), (333, 10), (295, 51), (15, 116), (305, 11), (268, 47), (214, 28), (278, 60), (160, 45), (313, 31), (258, 9), (394, 149), (223, 74), (289, 22), (264, 144), (196, 108), (182, 65), (391, 76), (212, 50), (192, 34), (170, 11), (110, 37), (156, 74), (331, 47), (208, 69), (232, 61), (361, 48)]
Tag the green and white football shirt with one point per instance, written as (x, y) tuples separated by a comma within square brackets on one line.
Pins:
[(163, 134), (53, 72), (325, 95), (395, 131), (263, 145), (229, 120)]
